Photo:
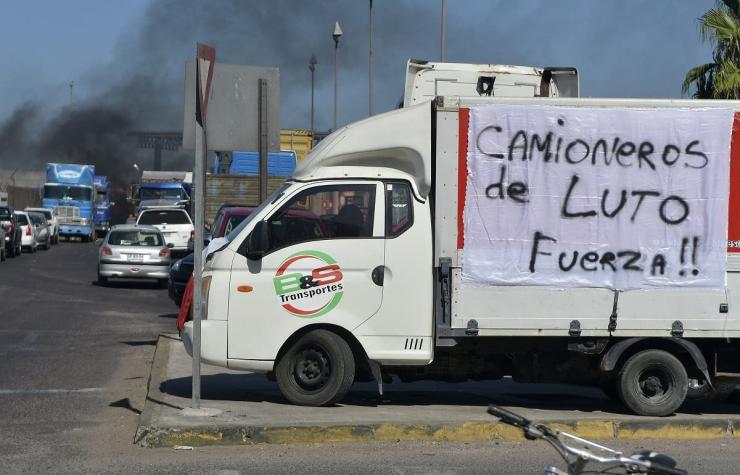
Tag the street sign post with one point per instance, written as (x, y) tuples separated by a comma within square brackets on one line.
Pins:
[(205, 60)]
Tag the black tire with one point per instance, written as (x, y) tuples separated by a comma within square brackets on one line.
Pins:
[(2, 254), (162, 283), (34, 248), (318, 370), (13, 252), (700, 390), (102, 280), (653, 383)]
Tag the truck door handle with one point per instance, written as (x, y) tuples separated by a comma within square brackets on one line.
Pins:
[(378, 275)]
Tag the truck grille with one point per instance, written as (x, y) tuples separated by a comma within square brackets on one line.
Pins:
[(68, 214)]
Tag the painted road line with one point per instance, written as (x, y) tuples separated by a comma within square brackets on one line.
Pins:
[(50, 391)]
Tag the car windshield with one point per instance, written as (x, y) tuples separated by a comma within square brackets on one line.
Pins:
[(232, 222), (174, 216), (159, 194), (22, 219), (36, 218), (270, 199), (64, 192), (4, 213), (136, 237)]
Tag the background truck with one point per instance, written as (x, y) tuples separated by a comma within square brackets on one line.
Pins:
[(545, 239), (162, 188), (102, 205), (69, 191)]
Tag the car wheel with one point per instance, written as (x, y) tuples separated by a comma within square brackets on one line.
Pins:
[(162, 283), (102, 280), (653, 383), (2, 254), (34, 247), (318, 370), (10, 252)]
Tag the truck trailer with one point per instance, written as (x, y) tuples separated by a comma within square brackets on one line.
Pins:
[(588, 241)]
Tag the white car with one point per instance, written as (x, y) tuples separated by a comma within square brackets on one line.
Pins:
[(51, 217), (174, 222), (28, 234)]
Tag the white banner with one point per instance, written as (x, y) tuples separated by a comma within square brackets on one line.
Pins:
[(596, 197)]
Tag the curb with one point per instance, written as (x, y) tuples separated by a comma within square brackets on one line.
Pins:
[(149, 435)]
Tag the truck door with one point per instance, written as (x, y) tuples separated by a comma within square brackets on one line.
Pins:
[(326, 240)]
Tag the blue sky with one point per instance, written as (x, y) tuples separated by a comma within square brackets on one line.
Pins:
[(623, 48)]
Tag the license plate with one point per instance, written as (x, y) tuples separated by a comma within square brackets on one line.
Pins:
[(134, 258)]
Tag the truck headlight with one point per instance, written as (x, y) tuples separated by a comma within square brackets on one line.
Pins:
[(205, 289)]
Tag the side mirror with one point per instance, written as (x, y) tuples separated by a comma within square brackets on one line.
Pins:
[(170, 245), (112, 203), (258, 241)]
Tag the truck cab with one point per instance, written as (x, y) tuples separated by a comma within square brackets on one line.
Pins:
[(102, 205), (69, 191)]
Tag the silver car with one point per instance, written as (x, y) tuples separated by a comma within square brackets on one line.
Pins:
[(133, 251)]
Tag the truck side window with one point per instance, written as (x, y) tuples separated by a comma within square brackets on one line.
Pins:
[(399, 213), (324, 212)]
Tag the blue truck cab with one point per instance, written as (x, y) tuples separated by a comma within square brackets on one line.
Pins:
[(102, 205), (69, 190)]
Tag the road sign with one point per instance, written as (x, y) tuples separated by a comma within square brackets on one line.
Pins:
[(206, 60)]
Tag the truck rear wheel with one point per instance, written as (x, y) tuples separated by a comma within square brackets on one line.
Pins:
[(653, 383), (318, 370)]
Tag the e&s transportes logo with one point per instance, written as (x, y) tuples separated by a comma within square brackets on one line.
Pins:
[(309, 284)]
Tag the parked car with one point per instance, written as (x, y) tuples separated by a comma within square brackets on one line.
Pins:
[(28, 236), (41, 229), (51, 217), (13, 232), (134, 251), (174, 223), (2, 244), (227, 218), (180, 273)]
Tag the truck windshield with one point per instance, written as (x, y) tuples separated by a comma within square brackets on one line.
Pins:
[(159, 194), (270, 199), (63, 192)]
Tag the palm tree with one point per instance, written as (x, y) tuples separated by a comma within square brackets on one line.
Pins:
[(719, 79)]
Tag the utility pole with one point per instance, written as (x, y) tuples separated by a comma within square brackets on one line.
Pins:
[(71, 95), (442, 28), (370, 63), (312, 66), (336, 35)]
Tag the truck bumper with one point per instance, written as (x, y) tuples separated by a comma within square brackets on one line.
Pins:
[(213, 336), (69, 230)]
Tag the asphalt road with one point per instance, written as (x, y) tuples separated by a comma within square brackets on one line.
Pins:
[(74, 362)]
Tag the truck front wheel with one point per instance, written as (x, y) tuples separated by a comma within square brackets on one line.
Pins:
[(318, 370), (653, 383)]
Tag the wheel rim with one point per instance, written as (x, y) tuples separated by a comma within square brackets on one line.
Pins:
[(312, 368), (655, 384)]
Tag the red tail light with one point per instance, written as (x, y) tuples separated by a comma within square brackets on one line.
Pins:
[(192, 234), (29, 230), (106, 251), (164, 252), (10, 227)]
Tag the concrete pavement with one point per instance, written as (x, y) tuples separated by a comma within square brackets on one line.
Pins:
[(253, 411)]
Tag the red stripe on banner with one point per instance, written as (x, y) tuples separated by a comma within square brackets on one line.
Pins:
[(733, 225), (462, 173)]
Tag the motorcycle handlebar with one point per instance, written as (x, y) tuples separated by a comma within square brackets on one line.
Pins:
[(508, 417)]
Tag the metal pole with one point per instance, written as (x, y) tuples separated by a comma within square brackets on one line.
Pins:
[(262, 131), (198, 204), (442, 31), (370, 63), (312, 66), (336, 57), (71, 95), (312, 90)]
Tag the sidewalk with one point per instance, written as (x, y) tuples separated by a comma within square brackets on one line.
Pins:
[(253, 411)]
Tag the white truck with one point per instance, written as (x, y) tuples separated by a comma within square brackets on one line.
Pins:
[(547, 239)]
